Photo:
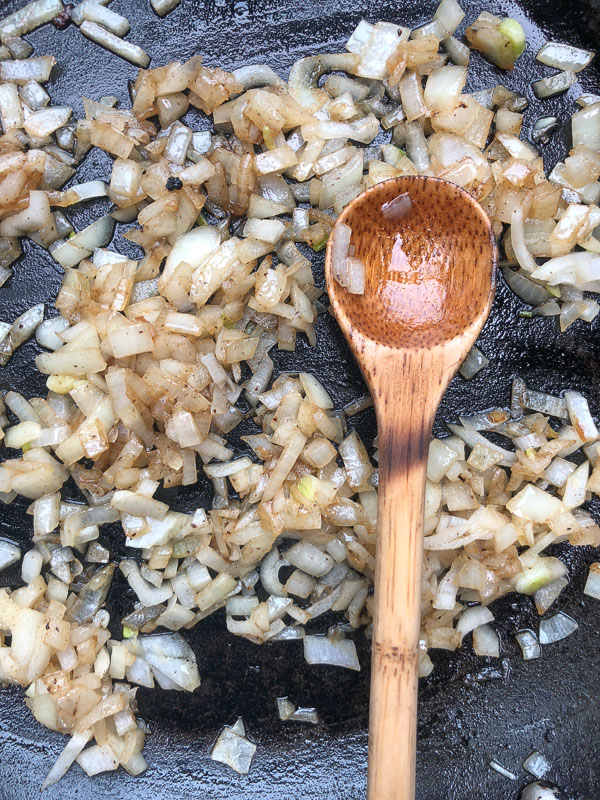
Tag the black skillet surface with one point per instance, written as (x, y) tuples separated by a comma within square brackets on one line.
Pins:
[(471, 709)]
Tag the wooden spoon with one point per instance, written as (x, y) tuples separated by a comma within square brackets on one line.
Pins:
[(429, 285)]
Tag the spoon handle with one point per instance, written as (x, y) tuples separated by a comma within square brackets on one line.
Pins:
[(404, 420)]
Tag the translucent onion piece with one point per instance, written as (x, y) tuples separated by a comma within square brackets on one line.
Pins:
[(529, 644), (473, 363), (564, 56), (535, 764), (127, 50), (556, 628), (234, 750), (322, 650), (506, 773), (592, 584), (555, 84), (9, 554)]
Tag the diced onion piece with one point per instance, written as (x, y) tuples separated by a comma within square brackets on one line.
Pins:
[(339, 242), (355, 272), (585, 125), (506, 773), (23, 433), (127, 50), (398, 208), (555, 628), (443, 88), (138, 506), (20, 331), (47, 120), (564, 56), (95, 12), (592, 584), (449, 14), (473, 363), (546, 595), (535, 764), (71, 751), (517, 237), (554, 84), (29, 17), (29, 69), (253, 75), (234, 749), (534, 504), (172, 660), (284, 708), (304, 715), (472, 618), (69, 253), (47, 332), (97, 759), (339, 653), (9, 554), (486, 641), (529, 644), (458, 51), (309, 558), (580, 415)]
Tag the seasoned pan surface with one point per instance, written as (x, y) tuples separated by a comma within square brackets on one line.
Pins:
[(471, 709)]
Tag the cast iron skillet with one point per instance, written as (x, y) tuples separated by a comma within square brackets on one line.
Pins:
[(471, 709)]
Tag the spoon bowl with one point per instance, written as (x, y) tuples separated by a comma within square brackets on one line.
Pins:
[(428, 273), (429, 284)]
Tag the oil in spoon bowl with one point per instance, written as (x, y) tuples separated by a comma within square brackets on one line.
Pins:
[(429, 285)]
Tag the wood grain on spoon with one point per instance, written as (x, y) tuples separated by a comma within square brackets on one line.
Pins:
[(429, 285)]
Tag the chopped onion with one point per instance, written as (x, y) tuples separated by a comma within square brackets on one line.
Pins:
[(564, 56), (529, 644), (543, 129), (555, 84), (234, 749), (338, 248), (29, 17), (546, 595), (309, 559), (555, 628), (172, 660), (255, 75), (21, 330), (585, 127), (398, 208), (96, 759), (449, 14), (9, 554), (473, 363), (592, 584), (472, 618), (339, 653), (30, 69), (486, 641), (47, 120), (506, 773), (580, 415), (127, 50), (47, 332), (95, 12), (71, 751), (535, 764)]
